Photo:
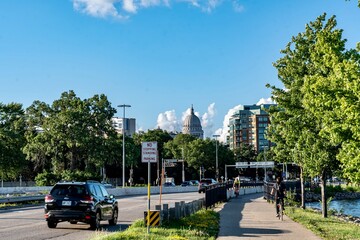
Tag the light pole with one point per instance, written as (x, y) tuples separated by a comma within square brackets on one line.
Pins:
[(217, 163), (123, 130)]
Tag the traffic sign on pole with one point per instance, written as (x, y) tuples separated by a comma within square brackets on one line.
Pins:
[(149, 155), (268, 164), (149, 152)]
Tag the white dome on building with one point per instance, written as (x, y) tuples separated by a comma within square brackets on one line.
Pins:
[(192, 125)]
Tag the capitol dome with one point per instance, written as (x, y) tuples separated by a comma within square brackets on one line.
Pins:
[(192, 125)]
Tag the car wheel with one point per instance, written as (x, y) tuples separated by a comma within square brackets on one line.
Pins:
[(95, 223), (114, 219), (51, 224)]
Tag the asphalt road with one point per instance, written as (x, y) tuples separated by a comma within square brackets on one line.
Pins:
[(29, 222)]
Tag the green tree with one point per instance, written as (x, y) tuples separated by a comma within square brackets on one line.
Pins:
[(177, 148), (202, 153), (245, 153), (331, 95), (12, 140), (293, 128), (71, 134)]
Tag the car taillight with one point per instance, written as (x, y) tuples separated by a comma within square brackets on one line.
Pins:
[(87, 199), (49, 199)]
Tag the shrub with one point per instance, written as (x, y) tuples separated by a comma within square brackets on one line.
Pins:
[(45, 179), (77, 175)]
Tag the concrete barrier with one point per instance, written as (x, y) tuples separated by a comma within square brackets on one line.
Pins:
[(118, 192), (20, 190)]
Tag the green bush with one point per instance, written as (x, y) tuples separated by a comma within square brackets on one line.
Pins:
[(46, 179), (330, 190), (80, 176), (49, 178), (352, 189)]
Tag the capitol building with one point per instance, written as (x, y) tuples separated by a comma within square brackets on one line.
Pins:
[(192, 125)]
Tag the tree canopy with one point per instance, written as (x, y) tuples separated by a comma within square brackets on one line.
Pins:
[(12, 140), (71, 134)]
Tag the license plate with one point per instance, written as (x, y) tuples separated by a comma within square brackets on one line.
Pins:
[(66, 203)]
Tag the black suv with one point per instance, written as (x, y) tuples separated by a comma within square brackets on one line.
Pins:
[(87, 202)]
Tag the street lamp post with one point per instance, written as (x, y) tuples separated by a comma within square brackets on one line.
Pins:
[(217, 163), (123, 130)]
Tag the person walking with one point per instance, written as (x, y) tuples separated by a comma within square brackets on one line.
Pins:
[(279, 190)]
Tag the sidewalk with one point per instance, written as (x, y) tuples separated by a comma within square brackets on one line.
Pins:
[(252, 217)]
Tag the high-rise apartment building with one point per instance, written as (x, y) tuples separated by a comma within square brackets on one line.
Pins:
[(248, 125), (129, 125)]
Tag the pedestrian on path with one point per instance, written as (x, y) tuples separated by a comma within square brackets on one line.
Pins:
[(279, 190)]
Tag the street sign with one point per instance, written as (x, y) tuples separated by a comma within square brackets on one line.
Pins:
[(149, 152), (242, 164), (170, 160), (268, 164), (170, 164)]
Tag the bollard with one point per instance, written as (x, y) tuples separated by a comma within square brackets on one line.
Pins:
[(166, 215), (182, 209), (177, 210), (158, 208)]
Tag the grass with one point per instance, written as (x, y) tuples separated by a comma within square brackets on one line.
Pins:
[(203, 225), (330, 228), (6, 205), (19, 204)]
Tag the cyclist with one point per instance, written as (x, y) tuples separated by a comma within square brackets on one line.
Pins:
[(279, 190), (236, 186)]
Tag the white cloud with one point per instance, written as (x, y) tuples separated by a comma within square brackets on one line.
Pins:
[(265, 101), (149, 3), (129, 6), (168, 121), (97, 8), (205, 5), (237, 6), (121, 8), (207, 120)]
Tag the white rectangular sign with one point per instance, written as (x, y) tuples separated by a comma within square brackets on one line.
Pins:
[(242, 164), (170, 160), (268, 164), (149, 152)]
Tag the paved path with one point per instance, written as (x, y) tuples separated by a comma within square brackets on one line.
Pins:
[(252, 217)]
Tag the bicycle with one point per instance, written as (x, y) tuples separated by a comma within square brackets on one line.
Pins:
[(236, 191)]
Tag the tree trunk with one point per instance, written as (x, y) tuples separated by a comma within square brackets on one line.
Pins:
[(302, 188), (323, 194)]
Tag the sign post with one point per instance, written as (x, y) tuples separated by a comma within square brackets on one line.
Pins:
[(149, 155)]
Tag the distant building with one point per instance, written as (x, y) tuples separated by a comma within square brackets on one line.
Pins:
[(192, 125), (248, 125), (130, 125)]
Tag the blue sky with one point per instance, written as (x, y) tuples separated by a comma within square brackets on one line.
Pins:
[(159, 56)]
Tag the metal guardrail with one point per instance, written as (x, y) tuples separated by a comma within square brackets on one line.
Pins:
[(215, 193), (291, 186), (22, 199)]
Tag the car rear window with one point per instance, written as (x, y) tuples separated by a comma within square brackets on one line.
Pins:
[(69, 190)]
